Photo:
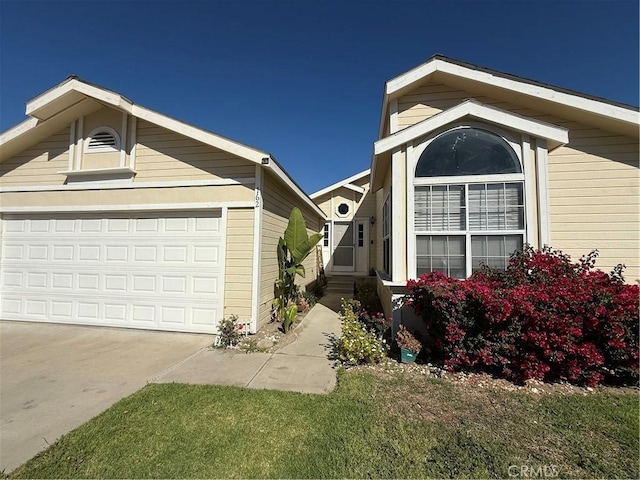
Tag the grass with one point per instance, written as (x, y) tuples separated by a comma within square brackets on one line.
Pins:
[(373, 425)]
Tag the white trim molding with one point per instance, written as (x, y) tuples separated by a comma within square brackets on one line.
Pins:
[(108, 186), (73, 91), (98, 171), (529, 186), (542, 165), (342, 183), (472, 108), (143, 207), (257, 248), (398, 213), (548, 93)]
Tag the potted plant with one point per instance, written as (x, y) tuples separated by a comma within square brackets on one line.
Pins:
[(409, 345)]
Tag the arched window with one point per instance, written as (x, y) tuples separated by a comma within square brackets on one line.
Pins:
[(467, 151), (102, 139), (468, 203)]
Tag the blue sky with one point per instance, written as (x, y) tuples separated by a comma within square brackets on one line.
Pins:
[(304, 80)]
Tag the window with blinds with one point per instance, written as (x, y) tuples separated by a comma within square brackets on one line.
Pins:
[(466, 224)]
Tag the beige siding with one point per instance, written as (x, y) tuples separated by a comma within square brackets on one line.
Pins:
[(164, 155), (127, 197), (593, 181), (40, 164), (277, 204), (239, 263), (361, 205), (381, 196), (594, 192)]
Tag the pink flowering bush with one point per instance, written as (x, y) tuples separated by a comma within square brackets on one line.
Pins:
[(543, 318)]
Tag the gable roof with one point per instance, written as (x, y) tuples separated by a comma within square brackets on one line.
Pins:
[(472, 108), (343, 183), (74, 96), (538, 95), (555, 135)]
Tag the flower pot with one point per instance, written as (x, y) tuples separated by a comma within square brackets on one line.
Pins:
[(407, 356)]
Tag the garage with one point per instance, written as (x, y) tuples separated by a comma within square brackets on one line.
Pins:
[(159, 271)]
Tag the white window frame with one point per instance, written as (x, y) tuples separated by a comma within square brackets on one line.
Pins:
[(387, 222), (349, 208), (415, 150)]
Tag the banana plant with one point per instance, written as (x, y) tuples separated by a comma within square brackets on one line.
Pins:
[(293, 249)]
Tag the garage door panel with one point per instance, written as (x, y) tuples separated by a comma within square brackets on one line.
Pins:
[(140, 271)]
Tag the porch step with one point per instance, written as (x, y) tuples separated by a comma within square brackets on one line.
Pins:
[(340, 284)]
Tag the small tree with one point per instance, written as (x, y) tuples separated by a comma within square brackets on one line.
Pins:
[(293, 249)]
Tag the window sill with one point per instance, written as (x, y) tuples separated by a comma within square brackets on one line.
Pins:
[(104, 172)]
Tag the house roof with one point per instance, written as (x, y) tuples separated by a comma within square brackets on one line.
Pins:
[(74, 97), (343, 183), (537, 95), (555, 135), (561, 102)]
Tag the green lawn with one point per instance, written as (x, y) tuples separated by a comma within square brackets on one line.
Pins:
[(378, 425)]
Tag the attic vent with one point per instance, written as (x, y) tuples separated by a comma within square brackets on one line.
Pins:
[(103, 139)]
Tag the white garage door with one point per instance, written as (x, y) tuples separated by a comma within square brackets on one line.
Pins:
[(160, 271)]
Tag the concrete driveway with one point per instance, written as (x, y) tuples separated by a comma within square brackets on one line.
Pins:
[(54, 378)]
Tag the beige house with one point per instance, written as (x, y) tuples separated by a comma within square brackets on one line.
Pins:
[(472, 163), (348, 247), (116, 215)]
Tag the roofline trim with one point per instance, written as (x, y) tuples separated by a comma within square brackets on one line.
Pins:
[(551, 93), (473, 108), (118, 101), (341, 183)]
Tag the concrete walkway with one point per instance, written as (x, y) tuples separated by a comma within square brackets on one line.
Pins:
[(301, 366)]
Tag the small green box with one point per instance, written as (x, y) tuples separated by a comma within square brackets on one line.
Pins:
[(407, 356)]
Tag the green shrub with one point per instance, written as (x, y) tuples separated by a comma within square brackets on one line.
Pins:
[(357, 345), (228, 332), (318, 289), (309, 297), (367, 294)]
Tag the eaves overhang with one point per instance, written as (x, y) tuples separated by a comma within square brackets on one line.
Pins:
[(382, 149), (621, 117), (60, 105), (346, 183)]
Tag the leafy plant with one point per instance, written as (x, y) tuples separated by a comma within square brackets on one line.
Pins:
[(318, 290), (309, 297), (367, 294), (544, 318), (357, 345), (289, 316), (293, 249), (407, 340), (228, 332)]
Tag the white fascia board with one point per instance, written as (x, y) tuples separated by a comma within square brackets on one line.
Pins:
[(105, 96), (411, 76), (355, 188), (20, 129), (120, 102), (545, 93), (343, 183), (280, 173), (200, 135), (478, 110)]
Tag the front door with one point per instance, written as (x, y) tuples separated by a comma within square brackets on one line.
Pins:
[(362, 245), (344, 247)]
